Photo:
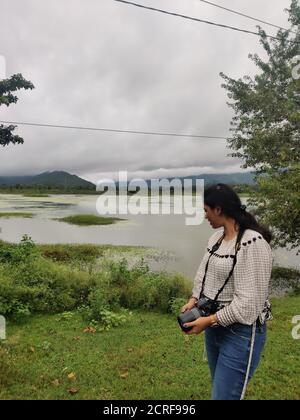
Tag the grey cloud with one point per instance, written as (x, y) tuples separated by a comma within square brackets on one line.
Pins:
[(104, 64)]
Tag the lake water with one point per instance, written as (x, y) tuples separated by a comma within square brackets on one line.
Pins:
[(184, 244)]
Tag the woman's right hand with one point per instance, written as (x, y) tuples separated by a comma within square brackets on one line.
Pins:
[(190, 305)]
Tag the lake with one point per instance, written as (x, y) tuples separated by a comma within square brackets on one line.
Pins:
[(184, 245)]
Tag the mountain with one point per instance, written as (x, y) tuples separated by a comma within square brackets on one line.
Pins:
[(61, 179), (54, 179), (239, 178)]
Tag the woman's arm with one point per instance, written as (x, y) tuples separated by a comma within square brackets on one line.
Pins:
[(251, 284)]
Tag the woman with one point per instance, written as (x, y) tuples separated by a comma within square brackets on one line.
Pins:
[(235, 272)]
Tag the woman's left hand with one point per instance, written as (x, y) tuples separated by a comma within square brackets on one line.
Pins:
[(199, 325)]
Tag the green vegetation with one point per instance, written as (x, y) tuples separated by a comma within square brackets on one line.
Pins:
[(36, 195), (7, 88), (62, 357), (89, 220), (16, 214), (285, 280), (266, 129), (71, 253), (285, 273), (81, 326), (81, 253), (34, 280)]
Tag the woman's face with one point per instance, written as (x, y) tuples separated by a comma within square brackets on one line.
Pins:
[(213, 216)]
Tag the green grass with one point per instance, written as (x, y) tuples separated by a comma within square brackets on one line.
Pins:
[(148, 358), (89, 220), (11, 214)]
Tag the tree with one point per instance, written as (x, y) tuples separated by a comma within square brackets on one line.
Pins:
[(7, 87), (266, 131)]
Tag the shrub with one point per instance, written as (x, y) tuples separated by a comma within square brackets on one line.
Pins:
[(285, 280), (42, 286), (31, 283), (176, 305), (286, 273), (25, 252), (71, 253), (140, 288), (104, 317)]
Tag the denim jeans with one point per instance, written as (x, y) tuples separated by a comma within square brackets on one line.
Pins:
[(228, 351)]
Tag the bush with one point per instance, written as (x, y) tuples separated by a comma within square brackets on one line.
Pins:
[(285, 280), (176, 305), (289, 274), (104, 317), (25, 252), (41, 286), (71, 253), (156, 290), (30, 283), (140, 288), (103, 298)]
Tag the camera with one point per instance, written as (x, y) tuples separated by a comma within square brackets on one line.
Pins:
[(204, 308)]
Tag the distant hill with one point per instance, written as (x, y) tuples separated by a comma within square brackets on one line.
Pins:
[(238, 178), (231, 179), (66, 181), (56, 179)]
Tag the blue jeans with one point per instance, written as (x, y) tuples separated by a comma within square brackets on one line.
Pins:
[(228, 351)]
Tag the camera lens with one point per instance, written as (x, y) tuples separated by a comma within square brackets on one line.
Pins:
[(188, 316)]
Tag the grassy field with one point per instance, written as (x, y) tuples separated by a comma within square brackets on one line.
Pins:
[(51, 357)]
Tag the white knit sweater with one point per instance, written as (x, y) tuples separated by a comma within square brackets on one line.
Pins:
[(246, 293)]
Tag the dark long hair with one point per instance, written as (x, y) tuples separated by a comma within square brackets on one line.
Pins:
[(223, 196)]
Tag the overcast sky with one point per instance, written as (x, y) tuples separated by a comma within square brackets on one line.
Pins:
[(101, 63)]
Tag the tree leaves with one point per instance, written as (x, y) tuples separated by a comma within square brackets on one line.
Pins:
[(7, 86), (266, 132)]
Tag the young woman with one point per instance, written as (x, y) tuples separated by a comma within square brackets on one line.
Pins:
[(235, 272)]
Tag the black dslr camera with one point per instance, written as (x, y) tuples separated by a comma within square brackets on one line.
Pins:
[(204, 308)]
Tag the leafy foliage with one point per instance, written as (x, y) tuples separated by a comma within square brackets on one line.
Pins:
[(24, 252), (266, 131), (7, 87), (176, 305)]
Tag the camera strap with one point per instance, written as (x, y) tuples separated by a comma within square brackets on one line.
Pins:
[(214, 249)]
